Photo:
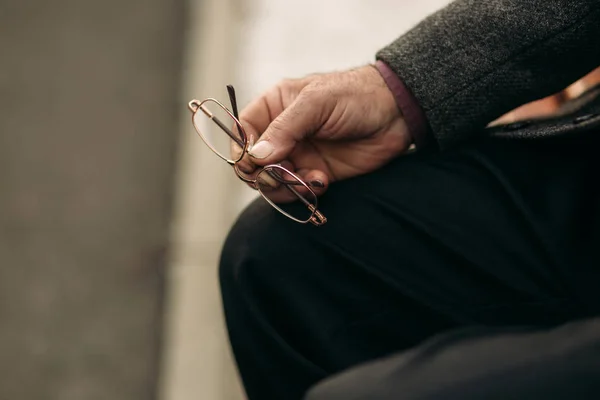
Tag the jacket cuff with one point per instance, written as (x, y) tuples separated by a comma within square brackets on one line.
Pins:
[(414, 115)]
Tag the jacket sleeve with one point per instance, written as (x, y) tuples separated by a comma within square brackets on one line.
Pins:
[(475, 60)]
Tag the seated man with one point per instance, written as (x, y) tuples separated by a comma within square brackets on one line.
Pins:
[(495, 228)]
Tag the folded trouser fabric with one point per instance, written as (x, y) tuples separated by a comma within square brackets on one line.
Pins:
[(482, 363), (499, 232)]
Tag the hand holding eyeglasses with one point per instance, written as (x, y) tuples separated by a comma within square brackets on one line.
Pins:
[(328, 127), (303, 134), (270, 178)]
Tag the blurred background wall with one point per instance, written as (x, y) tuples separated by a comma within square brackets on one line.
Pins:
[(112, 212), (89, 100)]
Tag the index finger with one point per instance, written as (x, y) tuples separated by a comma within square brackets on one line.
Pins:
[(258, 115)]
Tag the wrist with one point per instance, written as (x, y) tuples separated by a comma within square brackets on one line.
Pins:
[(416, 121)]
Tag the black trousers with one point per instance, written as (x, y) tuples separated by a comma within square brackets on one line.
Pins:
[(496, 234)]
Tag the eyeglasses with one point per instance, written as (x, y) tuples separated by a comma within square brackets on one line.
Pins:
[(271, 179)]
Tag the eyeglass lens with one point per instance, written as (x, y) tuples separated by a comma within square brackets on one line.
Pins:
[(219, 130), (270, 184)]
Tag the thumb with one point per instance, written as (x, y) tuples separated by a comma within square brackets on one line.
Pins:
[(302, 118)]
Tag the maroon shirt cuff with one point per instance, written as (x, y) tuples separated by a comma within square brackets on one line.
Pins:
[(413, 114)]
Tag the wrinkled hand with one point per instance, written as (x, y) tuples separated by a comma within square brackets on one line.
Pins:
[(325, 127)]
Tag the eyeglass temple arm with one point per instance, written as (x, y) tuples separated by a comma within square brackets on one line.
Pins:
[(233, 101), (232, 135), (318, 218)]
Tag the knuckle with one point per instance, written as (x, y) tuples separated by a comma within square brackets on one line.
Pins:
[(312, 93), (277, 126), (321, 90), (287, 83)]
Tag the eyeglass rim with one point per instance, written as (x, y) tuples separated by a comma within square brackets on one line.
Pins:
[(315, 204), (316, 217), (196, 106)]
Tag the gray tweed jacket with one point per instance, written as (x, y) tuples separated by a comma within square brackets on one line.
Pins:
[(475, 60)]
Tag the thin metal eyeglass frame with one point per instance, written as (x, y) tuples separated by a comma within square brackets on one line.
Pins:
[(316, 217)]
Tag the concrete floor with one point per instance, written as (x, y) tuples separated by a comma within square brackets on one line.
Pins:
[(267, 40)]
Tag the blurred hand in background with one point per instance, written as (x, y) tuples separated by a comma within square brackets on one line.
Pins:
[(550, 105)]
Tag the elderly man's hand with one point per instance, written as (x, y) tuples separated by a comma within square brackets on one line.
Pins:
[(326, 127)]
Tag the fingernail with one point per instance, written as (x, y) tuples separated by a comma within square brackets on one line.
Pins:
[(318, 184), (261, 150)]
